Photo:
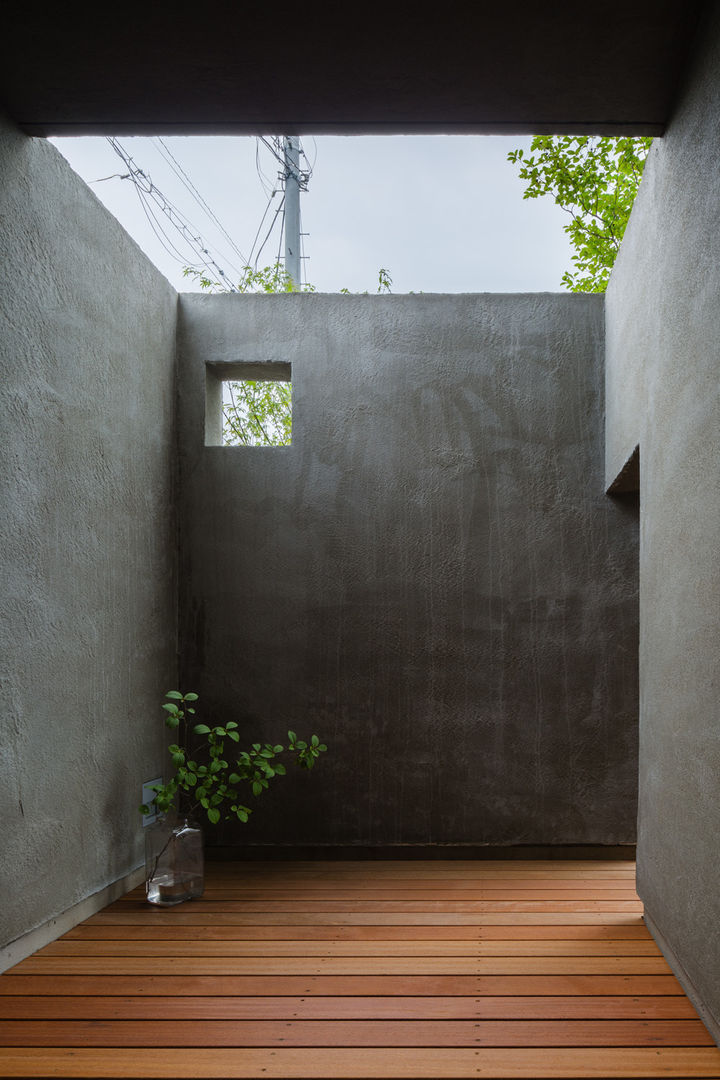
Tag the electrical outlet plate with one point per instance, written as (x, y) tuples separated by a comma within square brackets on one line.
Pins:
[(148, 796)]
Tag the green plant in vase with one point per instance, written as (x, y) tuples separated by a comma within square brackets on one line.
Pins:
[(208, 780)]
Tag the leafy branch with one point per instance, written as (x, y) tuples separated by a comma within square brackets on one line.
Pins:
[(206, 780), (595, 180), (258, 413)]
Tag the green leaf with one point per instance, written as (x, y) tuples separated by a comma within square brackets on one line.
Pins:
[(214, 815), (595, 180), (175, 695), (201, 729), (191, 697)]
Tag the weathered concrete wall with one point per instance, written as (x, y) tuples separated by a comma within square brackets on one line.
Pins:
[(430, 576), (663, 329), (88, 613)]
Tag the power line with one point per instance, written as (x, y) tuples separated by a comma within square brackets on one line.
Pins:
[(190, 186), (262, 222), (279, 210), (147, 191)]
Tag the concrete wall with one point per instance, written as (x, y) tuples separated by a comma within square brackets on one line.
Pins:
[(663, 330), (430, 576), (86, 535)]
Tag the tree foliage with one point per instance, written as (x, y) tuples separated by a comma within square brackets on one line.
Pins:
[(257, 413), (595, 180)]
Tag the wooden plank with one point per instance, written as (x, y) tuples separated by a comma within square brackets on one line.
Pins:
[(372, 880), (412, 947), (479, 907), (526, 1008), (192, 916), (281, 966), (408, 887), (354, 1033), (375, 985), (331, 893), (407, 1063), (314, 882), (422, 868), (207, 930)]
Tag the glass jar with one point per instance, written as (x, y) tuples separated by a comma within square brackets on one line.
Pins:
[(174, 869)]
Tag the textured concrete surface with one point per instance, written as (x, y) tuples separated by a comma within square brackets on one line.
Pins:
[(86, 535), (663, 329), (430, 576)]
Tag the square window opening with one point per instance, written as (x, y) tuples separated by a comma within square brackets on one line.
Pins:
[(248, 405)]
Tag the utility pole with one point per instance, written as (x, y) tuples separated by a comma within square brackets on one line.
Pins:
[(293, 179)]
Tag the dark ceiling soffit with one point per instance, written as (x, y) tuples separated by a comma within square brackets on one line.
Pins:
[(287, 127), (493, 69)]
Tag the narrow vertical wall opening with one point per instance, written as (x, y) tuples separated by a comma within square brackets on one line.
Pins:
[(627, 481), (625, 493)]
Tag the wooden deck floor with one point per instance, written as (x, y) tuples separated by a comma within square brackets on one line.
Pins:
[(372, 969)]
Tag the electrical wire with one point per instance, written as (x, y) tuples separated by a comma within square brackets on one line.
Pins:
[(153, 200), (280, 238), (265, 183), (177, 168), (262, 222), (280, 209), (147, 191)]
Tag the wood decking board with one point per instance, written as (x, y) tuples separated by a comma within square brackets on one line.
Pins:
[(204, 929), (352, 918), (412, 947), (172, 966), (374, 985), (277, 1007), (475, 907), (356, 1033), (333, 1063), (527, 969)]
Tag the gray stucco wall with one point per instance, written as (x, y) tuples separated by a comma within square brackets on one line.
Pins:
[(663, 330), (86, 535), (430, 576)]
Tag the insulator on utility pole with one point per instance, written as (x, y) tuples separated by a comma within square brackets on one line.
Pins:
[(291, 152)]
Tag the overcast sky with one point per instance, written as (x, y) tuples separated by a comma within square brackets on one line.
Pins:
[(441, 213)]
